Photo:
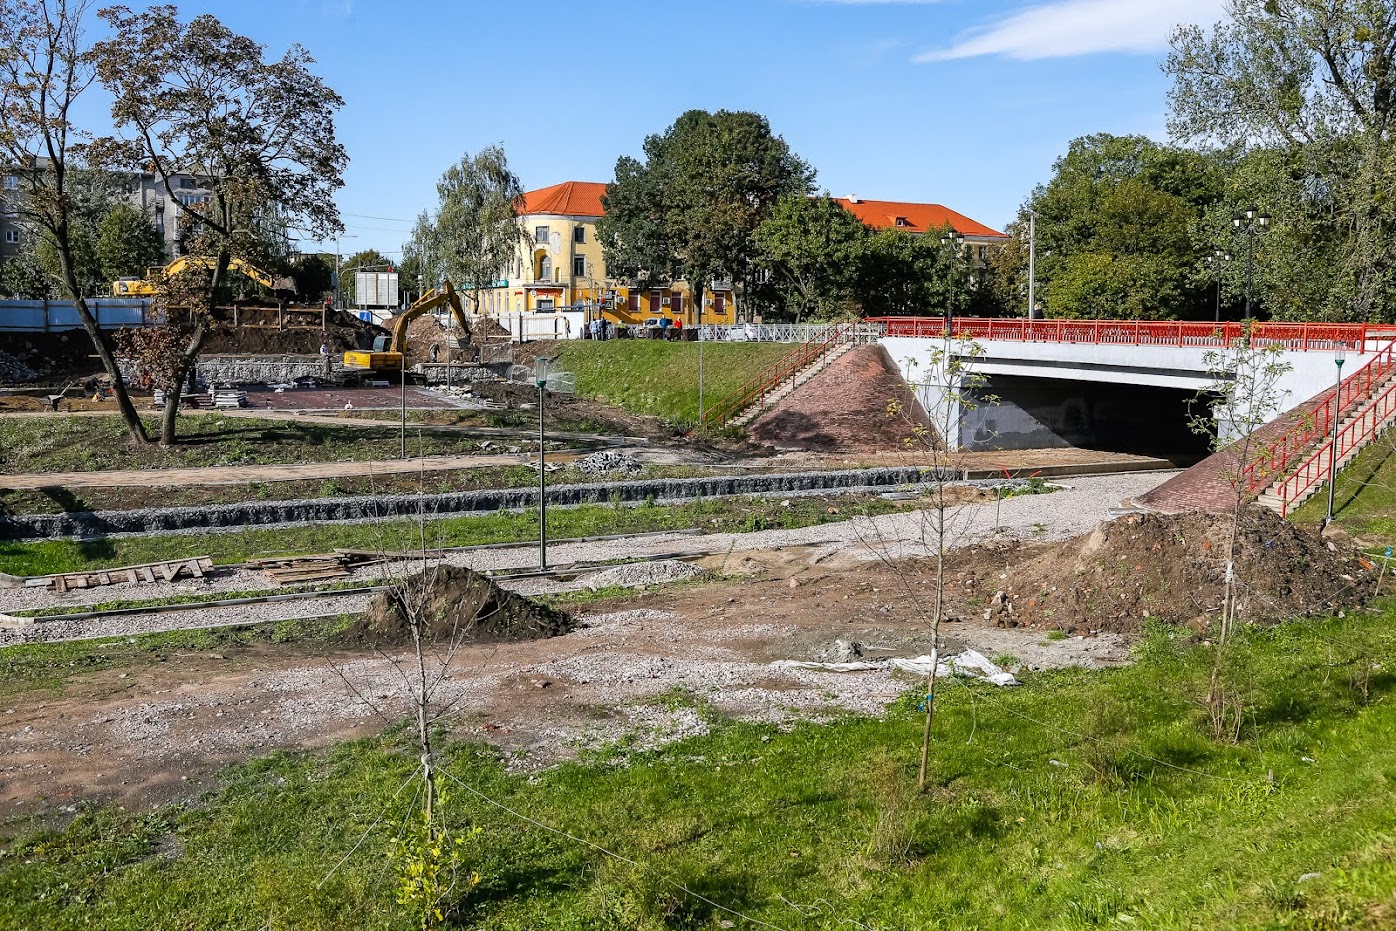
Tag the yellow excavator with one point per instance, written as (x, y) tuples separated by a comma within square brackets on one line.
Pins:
[(150, 284), (389, 351)]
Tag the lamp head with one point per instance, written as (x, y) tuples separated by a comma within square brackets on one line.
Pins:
[(1263, 219), (1250, 213)]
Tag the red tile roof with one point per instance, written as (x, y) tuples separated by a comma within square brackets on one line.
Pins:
[(916, 218), (568, 199)]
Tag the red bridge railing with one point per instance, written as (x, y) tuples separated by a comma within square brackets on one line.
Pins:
[(1292, 336)]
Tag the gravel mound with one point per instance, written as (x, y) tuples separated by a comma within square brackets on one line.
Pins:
[(459, 604), (608, 461), (643, 573), (12, 370)]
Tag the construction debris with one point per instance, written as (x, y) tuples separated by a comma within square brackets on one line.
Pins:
[(969, 664), (13, 370), (455, 604), (638, 574), (166, 571), (608, 461), (291, 570)]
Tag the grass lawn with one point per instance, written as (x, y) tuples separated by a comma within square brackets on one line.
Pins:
[(88, 444), (661, 378), (1364, 501), (1080, 800), (716, 514)]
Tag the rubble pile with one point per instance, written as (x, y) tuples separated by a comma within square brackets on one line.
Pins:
[(634, 575), (607, 461), (13, 370), (456, 605), (1166, 568)]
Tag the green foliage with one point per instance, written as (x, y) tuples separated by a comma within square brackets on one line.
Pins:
[(1114, 230), (814, 246), (128, 243), (429, 860), (691, 209), (1304, 87), (1081, 800), (23, 276), (314, 277), (902, 274)]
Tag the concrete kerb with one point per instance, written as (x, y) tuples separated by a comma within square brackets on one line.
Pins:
[(274, 514)]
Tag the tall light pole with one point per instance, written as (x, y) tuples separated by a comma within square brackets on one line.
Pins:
[(338, 262), (954, 240), (1250, 222), (1032, 264), (701, 301), (1338, 359), (540, 378)]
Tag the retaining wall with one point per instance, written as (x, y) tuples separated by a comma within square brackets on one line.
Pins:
[(312, 510)]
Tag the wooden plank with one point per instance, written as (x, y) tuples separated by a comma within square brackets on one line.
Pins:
[(147, 574), (194, 569), (131, 576)]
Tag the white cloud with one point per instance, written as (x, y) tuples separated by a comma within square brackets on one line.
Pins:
[(1081, 27)]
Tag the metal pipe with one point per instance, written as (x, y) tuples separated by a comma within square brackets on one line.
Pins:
[(542, 486), (1333, 443)]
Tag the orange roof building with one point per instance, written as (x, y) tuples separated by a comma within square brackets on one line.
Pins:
[(916, 218), (568, 199)]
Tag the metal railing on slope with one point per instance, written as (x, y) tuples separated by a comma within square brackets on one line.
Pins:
[(1277, 458), (786, 368), (1351, 436)]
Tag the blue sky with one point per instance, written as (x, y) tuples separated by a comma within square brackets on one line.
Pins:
[(959, 102)]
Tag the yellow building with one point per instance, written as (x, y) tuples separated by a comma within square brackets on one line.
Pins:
[(562, 266)]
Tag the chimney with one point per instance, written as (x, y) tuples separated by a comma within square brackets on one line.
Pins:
[(853, 198)]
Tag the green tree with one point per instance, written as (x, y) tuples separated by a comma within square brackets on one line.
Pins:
[(23, 276), (45, 68), (1115, 229), (691, 209), (1314, 83), (314, 277), (474, 232), (812, 245), (128, 243), (900, 273), (198, 99)]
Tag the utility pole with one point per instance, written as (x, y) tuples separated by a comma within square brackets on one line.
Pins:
[(1338, 359), (541, 379), (1032, 264)]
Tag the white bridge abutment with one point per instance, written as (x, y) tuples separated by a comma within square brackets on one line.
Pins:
[(1118, 398)]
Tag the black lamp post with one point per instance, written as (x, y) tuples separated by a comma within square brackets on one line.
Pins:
[(1218, 257), (954, 240), (1250, 222)]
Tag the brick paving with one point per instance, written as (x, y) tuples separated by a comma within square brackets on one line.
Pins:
[(1208, 485), (844, 408)]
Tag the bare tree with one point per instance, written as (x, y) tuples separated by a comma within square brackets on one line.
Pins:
[(45, 67), (197, 99), (1243, 397), (951, 390)]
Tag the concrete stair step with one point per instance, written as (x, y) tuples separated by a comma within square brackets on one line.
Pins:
[(786, 388)]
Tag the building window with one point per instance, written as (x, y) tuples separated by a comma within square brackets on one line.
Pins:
[(11, 182), (579, 233), (579, 266), (11, 236), (188, 182), (540, 235), (545, 269), (544, 303)]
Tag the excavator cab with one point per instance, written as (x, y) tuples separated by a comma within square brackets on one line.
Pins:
[(389, 353)]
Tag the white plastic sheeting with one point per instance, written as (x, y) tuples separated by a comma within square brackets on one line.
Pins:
[(970, 665)]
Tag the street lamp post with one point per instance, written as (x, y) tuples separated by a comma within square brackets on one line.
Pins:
[(540, 378), (1250, 222), (1338, 359), (338, 261), (954, 240), (1032, 263)]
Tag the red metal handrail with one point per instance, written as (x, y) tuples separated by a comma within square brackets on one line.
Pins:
[(786, 367), (1352, 435), (1276, 458), (1293, 336)]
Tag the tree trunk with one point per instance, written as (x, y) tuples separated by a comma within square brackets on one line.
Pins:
[(169, 420), (94, 333)]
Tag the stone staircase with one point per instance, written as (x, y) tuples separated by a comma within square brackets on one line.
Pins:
[(1358, 427), (776, 393)]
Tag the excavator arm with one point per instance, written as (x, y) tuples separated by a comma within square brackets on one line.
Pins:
[(394, 356), (150, 285)]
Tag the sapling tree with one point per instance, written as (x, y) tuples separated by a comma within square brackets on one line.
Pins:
[(951, 389), (1244, 396)]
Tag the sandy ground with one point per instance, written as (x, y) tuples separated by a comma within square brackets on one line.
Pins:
[(162, 729)]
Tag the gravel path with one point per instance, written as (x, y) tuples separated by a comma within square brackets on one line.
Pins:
[(1078, 507)]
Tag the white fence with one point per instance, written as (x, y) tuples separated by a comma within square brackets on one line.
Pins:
[(563, 324), (45, 316), (785, 332)]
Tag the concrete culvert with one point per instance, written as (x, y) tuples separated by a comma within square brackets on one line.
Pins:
[(457, 603)]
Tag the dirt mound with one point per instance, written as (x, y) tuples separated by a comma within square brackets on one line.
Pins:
[(844, 408), (461, 604), (225, 338), (1169, 568)]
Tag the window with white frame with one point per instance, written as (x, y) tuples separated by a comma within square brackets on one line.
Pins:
[(11, 182), (11, 236), (540, 235)]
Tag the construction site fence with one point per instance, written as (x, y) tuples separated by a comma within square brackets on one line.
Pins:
[(1317, 337), (50, 316), (1293, 448)]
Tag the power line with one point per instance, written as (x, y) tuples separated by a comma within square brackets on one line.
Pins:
[(369, 216)]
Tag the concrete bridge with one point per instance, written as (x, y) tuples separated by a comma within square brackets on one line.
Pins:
[(1121, 385)]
